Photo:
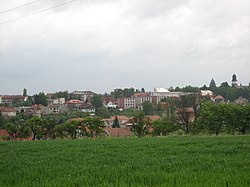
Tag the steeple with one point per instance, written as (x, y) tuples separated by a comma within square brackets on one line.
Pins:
[(234, 81)]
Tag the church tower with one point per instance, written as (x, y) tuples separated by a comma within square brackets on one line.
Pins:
[(234, 81)]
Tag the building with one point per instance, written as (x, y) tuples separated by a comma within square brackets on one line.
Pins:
[(140, 98), (7, 111), (162, 93), (126, 103), (73, 105), (82, 95), (110, 102), (206, 93), (234, 81), (87, 108), (58, 101), (11, 99), (36, 110)]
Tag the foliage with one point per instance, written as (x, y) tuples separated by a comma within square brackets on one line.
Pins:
[(40, 98), (212, 85), (140, 125), (148, 108), (97, 101), (35, 125), (120, 93), (17, 130), (116, 123), (164, 126), (103, 112), (224, 116), (61, 94)]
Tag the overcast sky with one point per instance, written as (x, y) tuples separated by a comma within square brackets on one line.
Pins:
[(100, 45)]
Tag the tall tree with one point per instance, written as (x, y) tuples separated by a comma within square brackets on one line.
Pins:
[(147, 108), (97, 101), (116, 123), (35, 126), (40, 98), (164, 126), (212, 85), (140, 125), (25, 92), (184, 112)]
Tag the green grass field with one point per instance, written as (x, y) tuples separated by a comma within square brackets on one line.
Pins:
[(173, 161)]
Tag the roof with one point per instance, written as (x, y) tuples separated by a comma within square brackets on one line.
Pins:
[(86, 106), (120, 118), (13, 97), (39, 106), (142, 94), (74, 102), (118, 132), (161, 90), (7, 109), (153, 118), (219, 97), (3, 133)]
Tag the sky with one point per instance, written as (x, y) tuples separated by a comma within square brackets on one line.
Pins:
[(101, 45)]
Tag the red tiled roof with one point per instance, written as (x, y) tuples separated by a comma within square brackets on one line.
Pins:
[(153, 117), (3, 133), (118, 131), (120, 118), (74, 102), (39, 106), (7, 109), (219, 97), (13, 97), (143, 94)]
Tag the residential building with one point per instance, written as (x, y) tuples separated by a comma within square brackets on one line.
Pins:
[(58, 101), (116, 132), (87, 108), (82, 95), (162, 93), (110, 102), (11, 99), (7, 111), (126, 103), (73, 105), (206, 93)]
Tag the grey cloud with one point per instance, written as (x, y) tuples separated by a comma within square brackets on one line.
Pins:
[(101, 45)]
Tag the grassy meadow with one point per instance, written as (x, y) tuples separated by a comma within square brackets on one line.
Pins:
[(169, 161)]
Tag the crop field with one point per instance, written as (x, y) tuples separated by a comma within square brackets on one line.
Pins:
[(170, 161)]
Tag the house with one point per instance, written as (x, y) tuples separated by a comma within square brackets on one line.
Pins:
[(218, 99), (206, 93), (82, 95), (36, 110), (11, 99), (58, 101), (7, 111), (53, 109), (87, 108), (123, 120), (110, 102), (73, 105), (118, 132)]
